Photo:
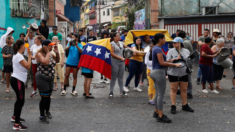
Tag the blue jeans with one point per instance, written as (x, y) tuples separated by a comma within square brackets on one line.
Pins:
[(207, 73), (135, 69), (199, 72)]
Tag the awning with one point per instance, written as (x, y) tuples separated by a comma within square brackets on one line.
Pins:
[(63, 18)]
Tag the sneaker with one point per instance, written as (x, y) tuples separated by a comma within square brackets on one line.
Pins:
[(74, 93), (101, 80), (152, 102), (189, 96), (187, 108), (173, 109), (124, 94), (214, 91), (13, 119), (111, 94), (63, 93), (198, 81), (138, 89), (224, 76), (19, 127), (48, 114), (178, 92), (44, 120), (106, 81), (164, 119), (34, 93), (205, 91), (155, 115), (126, 89)]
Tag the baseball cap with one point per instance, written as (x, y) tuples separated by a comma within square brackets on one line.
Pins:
[(54, 28), (47, 42), (178, 39)]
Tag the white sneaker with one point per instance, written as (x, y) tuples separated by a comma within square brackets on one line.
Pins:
[(126, 89), (214, 91), (63, 93), (74, 93), (138, 89), (205, 91), (106, 81)]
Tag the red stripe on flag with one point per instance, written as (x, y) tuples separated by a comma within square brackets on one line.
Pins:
[(95, 64)]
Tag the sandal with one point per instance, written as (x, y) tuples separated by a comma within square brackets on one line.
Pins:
[(74, 93), (219, 88), (90, 97), (63, 93), (3, 81), (55, 89), (85, 94), (8, 90)]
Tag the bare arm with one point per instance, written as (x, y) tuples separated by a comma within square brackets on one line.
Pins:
[(80, 50), (43, 60), (163, 63), (200, 43), (115, 56), (136, 52), (6, 56), (208, 56), (233, 52), (56, 57), (27, 35), (27, 64)]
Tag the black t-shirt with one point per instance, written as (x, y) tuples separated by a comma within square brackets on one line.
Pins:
[(7, 50), (91, 38)]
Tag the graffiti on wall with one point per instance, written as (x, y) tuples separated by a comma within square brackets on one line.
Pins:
[(139, 19)]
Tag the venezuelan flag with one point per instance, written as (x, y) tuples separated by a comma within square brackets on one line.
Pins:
[(96, 56)]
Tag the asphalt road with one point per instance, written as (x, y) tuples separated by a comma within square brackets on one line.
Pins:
[(133, 114)]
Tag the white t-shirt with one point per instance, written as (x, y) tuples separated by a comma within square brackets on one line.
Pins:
[(31, 43), (34, 50), (19, 71)]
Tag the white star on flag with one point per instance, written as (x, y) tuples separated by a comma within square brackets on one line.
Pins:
[(88, 48), (107, 55), (97, 51)]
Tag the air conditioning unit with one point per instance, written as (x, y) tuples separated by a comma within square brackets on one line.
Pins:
[(210, 10)]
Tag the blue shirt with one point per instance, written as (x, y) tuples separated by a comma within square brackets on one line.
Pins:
[(123, 38), (83, 39), (86, 70), (156, 64), (73, 57)]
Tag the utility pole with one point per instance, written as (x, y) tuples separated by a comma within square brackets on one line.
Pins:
[(147, 14), (99, 19)]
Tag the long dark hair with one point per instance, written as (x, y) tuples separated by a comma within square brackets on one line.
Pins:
[(8, 38), (141, 45), (157, 37), (17, 45), (112, 35)]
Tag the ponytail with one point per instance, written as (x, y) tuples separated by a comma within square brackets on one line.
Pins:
[(17, 45), (157, 37), (8, 38)]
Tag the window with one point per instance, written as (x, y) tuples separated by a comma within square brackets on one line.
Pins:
[(76, 2), (29, 8), (103, 13), (116, 13), (92, 16), (210, 10), (122, 11), (108, 12)]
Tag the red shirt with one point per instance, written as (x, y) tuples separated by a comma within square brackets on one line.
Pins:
[(204, 60)]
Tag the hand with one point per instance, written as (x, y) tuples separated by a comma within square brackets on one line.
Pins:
[(179, 57), (45, 49), (9, 55), (33, 58), (178, 65), (29, 53), (215, 55), (62, 64), (123, 59), (55, 49), (28, 29), (143, 52)]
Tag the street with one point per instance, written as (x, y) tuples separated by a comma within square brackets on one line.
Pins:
[(118, 114)]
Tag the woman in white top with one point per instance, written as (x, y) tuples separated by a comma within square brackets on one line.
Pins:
[(151, 88), (34, 49), (18, 79)]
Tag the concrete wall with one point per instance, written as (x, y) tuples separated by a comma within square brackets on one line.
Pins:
[(105, 18), (190, 7), (59, 6), (72, 12)]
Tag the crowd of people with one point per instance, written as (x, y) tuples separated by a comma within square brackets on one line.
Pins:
[(39, 57)]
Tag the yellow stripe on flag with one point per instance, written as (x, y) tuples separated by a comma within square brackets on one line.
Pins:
[(102, 42)]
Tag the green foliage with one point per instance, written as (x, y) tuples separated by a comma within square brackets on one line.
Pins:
[(130, 12)]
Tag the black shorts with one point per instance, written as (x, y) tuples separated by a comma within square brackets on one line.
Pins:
[(88, 75), (7, 69), (67, 65), (178, 79)]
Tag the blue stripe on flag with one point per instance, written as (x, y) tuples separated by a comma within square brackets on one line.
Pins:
[(98, 52)]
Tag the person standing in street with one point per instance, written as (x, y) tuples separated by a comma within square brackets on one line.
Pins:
[(118, 64), (175, 34), (45, 77), (82, 37), (30, 40), (201, 41), (75, 49), (123, 37), (159, 76), (55, 33), (88, 75), (91, 37), (189, 47), (18, 79), (10, 31), (7, 53), (34, 49), (229, 43), (205, 64), (22, 36), (43, 29), (69, 38), (59, 67)]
